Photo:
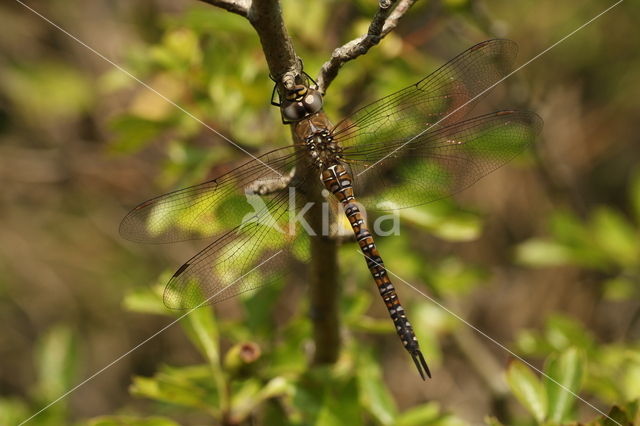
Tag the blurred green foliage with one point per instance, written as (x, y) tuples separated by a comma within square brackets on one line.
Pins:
[(254, 367), (607, 241)]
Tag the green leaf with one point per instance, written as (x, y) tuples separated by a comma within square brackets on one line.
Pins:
[(186, 386), (134, 133), (616, 237), (327, 399), (202, 329), (13, 411), (444, 221), (631, 382), (620, 288), (453, 277), (340, 405), (420, 415), (567, 369), (56, 360), (492, 421), (46, 91), (244, 399), (146, 301), (542, 253), (528, 389), (562, 332), (131, 421), (374, 395)]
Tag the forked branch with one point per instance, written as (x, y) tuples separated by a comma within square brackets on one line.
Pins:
[(239, 7), (285, 66), (384, 21)]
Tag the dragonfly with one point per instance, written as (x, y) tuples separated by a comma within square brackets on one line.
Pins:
[(409, 148)]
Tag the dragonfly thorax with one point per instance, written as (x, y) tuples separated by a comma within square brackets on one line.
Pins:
[(323, 150)]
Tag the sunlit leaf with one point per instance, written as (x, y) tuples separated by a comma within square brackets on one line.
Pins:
[(56, 361), (631, 382), (185, 386), (203, 331), (47, 90), (144, 300), (374, 395), (130, 421), (528, 389), (244, 399), (532, 343), (453, 277), (567, 371), (149, 105), (13, 411), (616, 236), (562, 332), (420, 415), (543, 253)]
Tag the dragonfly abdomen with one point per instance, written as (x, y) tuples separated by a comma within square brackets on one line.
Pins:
[(337, 180)]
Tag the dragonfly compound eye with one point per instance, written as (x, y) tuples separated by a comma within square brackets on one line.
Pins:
[(312, 101), (294, 111)]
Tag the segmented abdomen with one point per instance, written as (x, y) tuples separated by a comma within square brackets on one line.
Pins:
[(337, 180)]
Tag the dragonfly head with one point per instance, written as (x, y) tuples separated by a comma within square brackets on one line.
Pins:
[(299, 102)]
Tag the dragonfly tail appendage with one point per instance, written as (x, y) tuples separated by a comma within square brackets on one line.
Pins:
[(421, 364)]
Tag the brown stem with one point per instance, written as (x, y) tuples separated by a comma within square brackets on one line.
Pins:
[(323, 275), (324, 293)]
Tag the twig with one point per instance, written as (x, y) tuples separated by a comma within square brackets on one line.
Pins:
[(384, 21), (239, 7), (266, 18)]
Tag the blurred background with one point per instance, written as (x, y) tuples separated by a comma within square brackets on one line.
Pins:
[(543, 255)]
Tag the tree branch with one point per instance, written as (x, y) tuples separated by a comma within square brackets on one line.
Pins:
[(384, 21), (239, 7), (266, 18), (284, 66)]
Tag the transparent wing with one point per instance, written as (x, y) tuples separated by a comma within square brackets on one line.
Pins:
[(208, 208), (440, 96), (252, 255), (440, 162)]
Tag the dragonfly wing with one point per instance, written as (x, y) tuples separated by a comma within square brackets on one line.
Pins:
[(442, 161), (252, 255), (209, 208), (443, 97)]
